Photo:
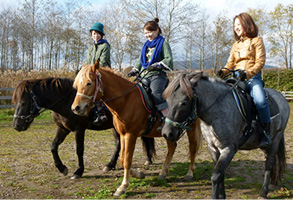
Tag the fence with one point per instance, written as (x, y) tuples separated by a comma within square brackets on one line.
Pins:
[(288, 95), (6, 98)]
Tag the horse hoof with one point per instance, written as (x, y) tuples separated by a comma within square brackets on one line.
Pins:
[(188, 178), (147, 163), (118, 192), (75, 176), (106, 169), (261, 198), (162, 177), (65, 171)]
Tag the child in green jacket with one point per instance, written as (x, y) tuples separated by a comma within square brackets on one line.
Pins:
[(99, 50)]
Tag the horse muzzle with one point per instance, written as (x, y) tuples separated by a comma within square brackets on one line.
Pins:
[(20, 125), (81, 109), (170, 133)]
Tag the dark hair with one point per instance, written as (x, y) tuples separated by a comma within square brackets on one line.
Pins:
[(250, 28), (153, 25), (101, 34)]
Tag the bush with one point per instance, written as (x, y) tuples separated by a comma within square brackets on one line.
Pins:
[(278, 79)]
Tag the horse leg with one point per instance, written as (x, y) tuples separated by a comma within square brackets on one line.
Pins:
[(194, 138), (127, 148), (165, 168), (269, 163), (59, 138), (112, 164), (149, 149), (79, 139), (218, 176)]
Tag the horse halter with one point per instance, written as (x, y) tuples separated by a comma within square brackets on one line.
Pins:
[(34, 110), (98, 88), (191, 118)]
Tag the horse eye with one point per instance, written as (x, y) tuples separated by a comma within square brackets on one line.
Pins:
[(89, 84)]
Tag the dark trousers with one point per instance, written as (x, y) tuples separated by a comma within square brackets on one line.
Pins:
[(158, 84)]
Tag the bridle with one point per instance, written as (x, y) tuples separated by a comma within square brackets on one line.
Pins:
[(98, 88), (191, 118), (34, 110)]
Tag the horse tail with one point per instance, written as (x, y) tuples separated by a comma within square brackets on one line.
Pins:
[(280, 163), (149, 146)]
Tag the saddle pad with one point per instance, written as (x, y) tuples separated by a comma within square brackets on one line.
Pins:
[(147, 101), (274, 108), (243, 106)]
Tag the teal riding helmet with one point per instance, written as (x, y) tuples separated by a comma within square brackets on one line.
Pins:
[(98, 27)]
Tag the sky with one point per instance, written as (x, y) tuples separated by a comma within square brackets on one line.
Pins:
[(213, 7), (234, 7)]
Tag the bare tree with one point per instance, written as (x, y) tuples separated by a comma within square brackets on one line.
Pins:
[(174, 15), (221, 40), (281, 33)]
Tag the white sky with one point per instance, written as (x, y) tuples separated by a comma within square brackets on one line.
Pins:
[(212, 6), (234, 7)]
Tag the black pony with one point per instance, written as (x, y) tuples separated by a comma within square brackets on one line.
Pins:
[(57, 94)]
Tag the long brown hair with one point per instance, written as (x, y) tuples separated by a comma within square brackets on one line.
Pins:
[(153, 25), (250, 28)]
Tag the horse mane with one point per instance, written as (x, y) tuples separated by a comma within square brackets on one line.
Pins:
[(182, 79), (84, 74), (61, 85)]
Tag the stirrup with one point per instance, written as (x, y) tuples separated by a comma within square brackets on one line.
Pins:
[(160, 127)]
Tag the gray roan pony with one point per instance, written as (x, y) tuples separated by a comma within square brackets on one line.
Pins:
[(211, 100)]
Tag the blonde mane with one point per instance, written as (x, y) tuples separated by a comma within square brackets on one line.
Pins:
[(83, 74)]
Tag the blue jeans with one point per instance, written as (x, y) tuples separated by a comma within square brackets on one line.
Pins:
[(258, 95)]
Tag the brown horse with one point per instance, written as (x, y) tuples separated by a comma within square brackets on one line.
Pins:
[(129, 116), (57, 94)]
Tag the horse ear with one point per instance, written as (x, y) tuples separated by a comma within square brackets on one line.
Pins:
[(195, 77), (96, 66)]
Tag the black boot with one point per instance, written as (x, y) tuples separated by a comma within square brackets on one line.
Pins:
[(97, 121), (162, 119), (101, 116), (266, 140)]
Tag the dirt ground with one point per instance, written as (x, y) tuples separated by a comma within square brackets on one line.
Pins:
[(27, 170)]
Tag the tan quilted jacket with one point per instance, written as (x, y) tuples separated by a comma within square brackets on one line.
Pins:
[(248, 54)]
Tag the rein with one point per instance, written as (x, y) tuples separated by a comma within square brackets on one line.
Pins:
[(99, 88)]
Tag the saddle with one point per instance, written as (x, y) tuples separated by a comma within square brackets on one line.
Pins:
[(247, 108), (145, 92)]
